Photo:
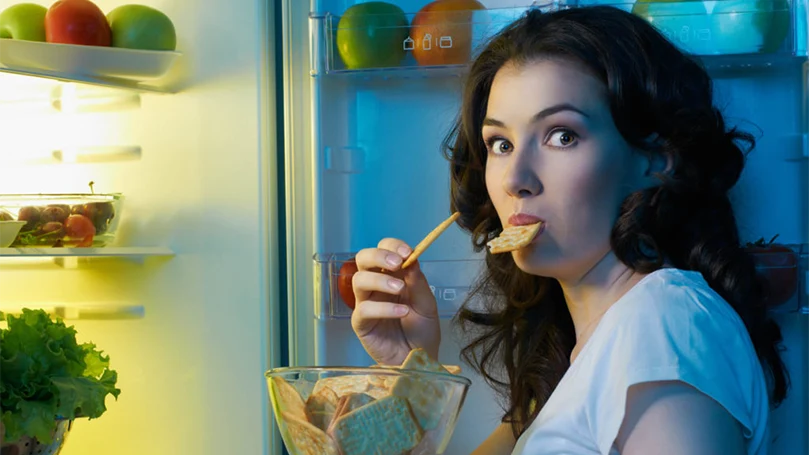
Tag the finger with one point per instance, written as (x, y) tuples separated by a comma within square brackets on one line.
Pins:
[(365, 282), (368, 312), (378, 259), (400, 247)]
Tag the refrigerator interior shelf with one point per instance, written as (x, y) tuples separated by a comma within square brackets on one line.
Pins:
[(96, 65), (727, 35), (450, 281), (70, 258), (109, 311)]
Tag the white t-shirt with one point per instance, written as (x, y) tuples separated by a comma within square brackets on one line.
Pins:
[(669, 326)]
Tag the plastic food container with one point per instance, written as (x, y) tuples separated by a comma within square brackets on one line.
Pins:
[(62, 220), (333, 411)]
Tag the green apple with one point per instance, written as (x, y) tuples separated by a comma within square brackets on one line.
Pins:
[(685, 23), (23, 21), (747, 26), (141, 27), (372, 35)]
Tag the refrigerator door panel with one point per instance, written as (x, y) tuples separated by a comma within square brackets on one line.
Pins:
[(191, 368)]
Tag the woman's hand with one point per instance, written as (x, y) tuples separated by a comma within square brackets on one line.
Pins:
[(396, 309)]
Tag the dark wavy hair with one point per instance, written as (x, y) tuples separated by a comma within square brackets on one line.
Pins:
[(525, 331)]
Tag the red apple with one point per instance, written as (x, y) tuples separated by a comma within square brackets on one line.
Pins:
[(77, 22), (442, 32), (344, 282)]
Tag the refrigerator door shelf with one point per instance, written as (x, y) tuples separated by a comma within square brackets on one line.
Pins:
[(449, 280), (452, 280), (724, 34), (429, 45)]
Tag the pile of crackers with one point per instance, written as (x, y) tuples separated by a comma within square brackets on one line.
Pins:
[(364, 414)]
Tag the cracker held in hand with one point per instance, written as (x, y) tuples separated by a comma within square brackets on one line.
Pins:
[(513, 238), (424, 244)]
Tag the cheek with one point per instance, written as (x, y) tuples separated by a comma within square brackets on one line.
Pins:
[(592, 195), (494, 186)]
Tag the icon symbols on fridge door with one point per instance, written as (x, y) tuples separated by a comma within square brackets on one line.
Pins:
[(408, 44), (445, 42), (427, 42), (704, 34), (449, 295), (685, 34)]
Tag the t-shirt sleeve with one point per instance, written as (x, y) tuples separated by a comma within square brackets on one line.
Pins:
[(686, 336)]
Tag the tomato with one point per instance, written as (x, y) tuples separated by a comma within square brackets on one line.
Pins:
[(79, 227), (344, 285), (777, 264)]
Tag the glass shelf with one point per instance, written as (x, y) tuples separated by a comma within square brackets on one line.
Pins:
[(727, 38), (132, 69), (70, 258), (111, 311), (450, 281)]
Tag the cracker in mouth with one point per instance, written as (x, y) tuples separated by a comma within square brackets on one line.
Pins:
[(513, 238)]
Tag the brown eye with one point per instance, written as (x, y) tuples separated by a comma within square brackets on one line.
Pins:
[(562, 138), (499, 146)]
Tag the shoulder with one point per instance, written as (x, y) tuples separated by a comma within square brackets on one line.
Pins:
[(675, 306), (672, 329)]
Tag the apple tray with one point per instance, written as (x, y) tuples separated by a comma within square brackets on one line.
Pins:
[(67, 60), (449, 280), (103, 210), (447, 41)]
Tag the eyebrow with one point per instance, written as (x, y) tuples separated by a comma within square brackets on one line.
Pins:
[(547, 112)]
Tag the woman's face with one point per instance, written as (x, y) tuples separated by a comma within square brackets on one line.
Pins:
[(554, 153)]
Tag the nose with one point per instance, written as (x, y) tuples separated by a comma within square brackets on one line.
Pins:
[(520, 179)]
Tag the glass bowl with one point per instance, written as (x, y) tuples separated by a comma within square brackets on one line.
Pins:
[(62, 220), (31, 446), (358, 411)]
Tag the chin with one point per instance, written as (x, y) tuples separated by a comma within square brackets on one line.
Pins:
[(531, 261)]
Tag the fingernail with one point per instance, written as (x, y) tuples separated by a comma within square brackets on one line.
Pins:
[(404, 251), (395, 284), (393, 260), (401, 310)]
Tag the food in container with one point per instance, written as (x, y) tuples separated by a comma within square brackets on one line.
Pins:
[(62, 220), (408, 409)]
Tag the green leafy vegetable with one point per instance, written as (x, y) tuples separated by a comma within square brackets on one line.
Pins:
[(46, 374)]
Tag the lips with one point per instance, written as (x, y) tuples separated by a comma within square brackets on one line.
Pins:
[(521, 219)]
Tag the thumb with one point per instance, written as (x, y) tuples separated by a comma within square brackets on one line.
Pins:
[(419, 294)]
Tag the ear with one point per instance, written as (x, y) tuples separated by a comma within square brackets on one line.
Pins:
[(658, 163)]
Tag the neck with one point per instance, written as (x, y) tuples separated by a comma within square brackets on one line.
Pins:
[(588, 297)]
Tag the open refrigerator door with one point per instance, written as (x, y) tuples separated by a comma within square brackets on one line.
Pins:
[(176, 277), (365, 118)]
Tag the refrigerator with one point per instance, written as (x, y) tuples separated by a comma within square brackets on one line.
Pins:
[(368, 143), (260, 163)]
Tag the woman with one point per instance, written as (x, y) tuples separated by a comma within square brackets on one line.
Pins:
[(634, 323)]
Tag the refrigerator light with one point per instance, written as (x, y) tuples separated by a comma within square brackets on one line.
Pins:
[(73, 98)]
